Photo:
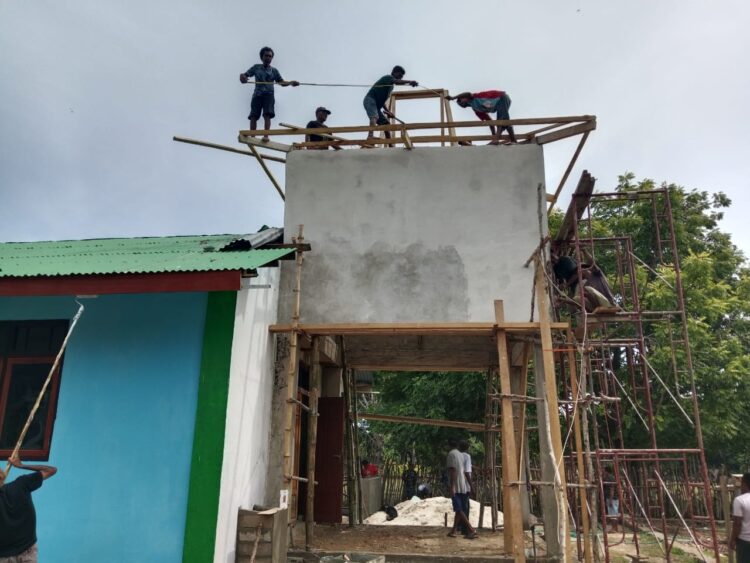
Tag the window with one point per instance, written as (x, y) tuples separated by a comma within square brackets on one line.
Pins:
[(27, 353)]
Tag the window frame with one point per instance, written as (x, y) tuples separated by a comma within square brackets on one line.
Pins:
[(6, 374)]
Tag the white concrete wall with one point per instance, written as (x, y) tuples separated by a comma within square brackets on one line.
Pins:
[(432, 234), (248, 423)]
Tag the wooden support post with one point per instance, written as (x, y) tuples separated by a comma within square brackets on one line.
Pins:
[(490, 440), (582, 491), (553, 413), (519, 384), (291, 382), (351, 469), (316, 378), (512, 523), (267, 171)]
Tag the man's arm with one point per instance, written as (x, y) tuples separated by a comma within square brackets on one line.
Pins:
[(47, 471), (402, 82), (468, 481), (287, 83), (452, 473), (736, 527)]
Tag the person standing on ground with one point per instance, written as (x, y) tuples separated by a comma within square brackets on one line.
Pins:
[(485, 103), (263, 95), (376, 97), (17, 514), (458, 488), (321, 114), (409, 478), (739, 540), (463, 447)]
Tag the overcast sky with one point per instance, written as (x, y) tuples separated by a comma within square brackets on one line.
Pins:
[(92, 92)]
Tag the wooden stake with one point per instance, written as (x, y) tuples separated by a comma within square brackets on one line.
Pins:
[(267, 171), (312, 441), (513, 524)]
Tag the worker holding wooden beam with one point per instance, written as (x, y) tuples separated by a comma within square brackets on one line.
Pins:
[(321, 114), (263, 95), (485, 103), (376, 97)]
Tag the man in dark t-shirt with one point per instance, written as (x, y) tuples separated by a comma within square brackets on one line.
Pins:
[(376, 97), (321, 114), (17, 514)]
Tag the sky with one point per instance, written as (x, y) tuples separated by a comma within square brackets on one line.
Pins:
[(91, 94)]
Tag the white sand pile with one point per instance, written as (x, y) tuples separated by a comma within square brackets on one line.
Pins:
[(431, 512)]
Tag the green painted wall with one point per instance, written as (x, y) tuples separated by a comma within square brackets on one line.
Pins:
[(210, 419)]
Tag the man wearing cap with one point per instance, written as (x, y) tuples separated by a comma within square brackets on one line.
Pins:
[(17, 515), (321, 114)]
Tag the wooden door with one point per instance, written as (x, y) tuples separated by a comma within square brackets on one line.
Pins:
[(329, 463)]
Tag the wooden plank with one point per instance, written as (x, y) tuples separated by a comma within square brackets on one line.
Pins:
[(588, 119), (473, 426), (577, 206), (465, 329), (422, 139), (268, 172), (226, 148), (294, 128), (553, 411), (513, 525), (417, 94), (565, 133), (249, 140)]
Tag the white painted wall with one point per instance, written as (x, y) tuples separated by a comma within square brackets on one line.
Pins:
[(432, 234), (246, 440)]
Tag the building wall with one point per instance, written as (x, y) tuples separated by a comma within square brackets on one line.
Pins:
[(432, 234), (248, 418), (124, 431)]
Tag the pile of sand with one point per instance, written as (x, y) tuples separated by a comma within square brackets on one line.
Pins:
[(431, 512)]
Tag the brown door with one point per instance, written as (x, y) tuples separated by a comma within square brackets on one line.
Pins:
[(329, 466)]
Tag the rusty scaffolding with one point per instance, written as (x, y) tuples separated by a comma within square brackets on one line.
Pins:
[(632, 362)]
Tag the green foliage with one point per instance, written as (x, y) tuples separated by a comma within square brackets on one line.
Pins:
[(441, 395)]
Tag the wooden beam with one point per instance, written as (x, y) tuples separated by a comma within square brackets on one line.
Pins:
[(422, 139), (465, 329), (316, 378), (294, 129), (268, 172), (473, 426), (226, 148), (513, 524), (417, 94), (588, 119), (396, 366), (553, 411), (249, 140), (571, 164), (565, 133)]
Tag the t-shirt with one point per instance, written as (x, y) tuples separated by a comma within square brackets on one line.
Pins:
[(263, 74), (316, 138), (565, 268), (741, 508), (381, 90), (455, 460), (17, 515), (486, 102), (467, 462)]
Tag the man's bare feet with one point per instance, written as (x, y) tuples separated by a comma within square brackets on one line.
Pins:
[(265, 139)]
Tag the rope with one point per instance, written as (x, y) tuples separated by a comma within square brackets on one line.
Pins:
[(339, 85), (44, 387)]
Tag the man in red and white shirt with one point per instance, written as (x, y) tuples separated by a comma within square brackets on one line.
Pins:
[(485, 103)]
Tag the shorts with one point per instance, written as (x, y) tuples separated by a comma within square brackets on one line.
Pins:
[(265, 102), (613, 507), (457, 501), (743, 551), (503, 107), (31, 555), (372, 109)]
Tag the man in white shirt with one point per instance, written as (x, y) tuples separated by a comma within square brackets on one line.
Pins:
[(458, 488), (463, 447), (740, 538)]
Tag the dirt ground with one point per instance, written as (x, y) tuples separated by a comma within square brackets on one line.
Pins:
[(405, 539)]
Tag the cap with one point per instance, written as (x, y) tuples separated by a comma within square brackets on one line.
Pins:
[(321, 108)]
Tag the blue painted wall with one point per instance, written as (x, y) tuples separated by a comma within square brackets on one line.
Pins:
[(124, 431)]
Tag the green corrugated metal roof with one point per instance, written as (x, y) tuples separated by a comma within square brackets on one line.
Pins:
[(131, 256)]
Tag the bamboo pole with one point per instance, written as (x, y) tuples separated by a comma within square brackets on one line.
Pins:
[(312, 441), (267, 170), (351, 481), (43, 390)]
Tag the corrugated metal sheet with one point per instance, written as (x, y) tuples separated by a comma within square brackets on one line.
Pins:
[(138, 255)]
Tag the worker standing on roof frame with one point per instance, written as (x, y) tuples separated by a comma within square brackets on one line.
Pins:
[(485, 103), (376, 97)]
